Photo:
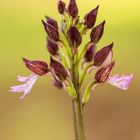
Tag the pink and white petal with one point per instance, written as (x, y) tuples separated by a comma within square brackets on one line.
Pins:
[(27, 86), (23, 78), (18, 88), (122, 82)]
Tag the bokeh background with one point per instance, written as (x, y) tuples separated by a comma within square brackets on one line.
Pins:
[(46, 113)]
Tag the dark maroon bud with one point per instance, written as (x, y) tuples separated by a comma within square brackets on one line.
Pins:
[(90, 18), (58, 84), (90, 52), (74, 36), (58, 70), (72, 8), (61, 7), (102, 55), (37, 67), (51, 31), (97, 33), (52, 22), (52, 47), (102, 74)]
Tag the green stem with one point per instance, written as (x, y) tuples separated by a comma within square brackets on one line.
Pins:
[(76, 103)]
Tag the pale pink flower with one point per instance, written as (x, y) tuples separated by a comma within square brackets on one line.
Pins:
[(122, 82), (27, 86)]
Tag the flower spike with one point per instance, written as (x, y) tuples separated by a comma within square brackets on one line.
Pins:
[(71, 61)]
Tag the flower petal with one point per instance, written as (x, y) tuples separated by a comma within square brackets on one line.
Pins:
[(18, 88), (122, 82), (27, 86), (24, 79)]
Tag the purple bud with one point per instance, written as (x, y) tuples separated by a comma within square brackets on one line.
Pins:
[(103, 54), (52, 22), (58, 70), (72, 8), (102, 74), (97, 33), (51, 31), (58, 84), (90, 52), (37, 67), (90, 18), (74, 36), (61, 7), (52, 47)]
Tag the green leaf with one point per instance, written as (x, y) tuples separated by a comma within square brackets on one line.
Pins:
[(68, 20), (87, 93), (65, 44), (64, 59), (82, 51), (83, 73), (71, 89)]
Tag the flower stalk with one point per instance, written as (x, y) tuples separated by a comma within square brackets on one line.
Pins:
[(76, 104)]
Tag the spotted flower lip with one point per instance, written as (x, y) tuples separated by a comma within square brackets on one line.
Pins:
[(29, 81), (121, 82)]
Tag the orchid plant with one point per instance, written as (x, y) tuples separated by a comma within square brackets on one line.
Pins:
[(71, 60)]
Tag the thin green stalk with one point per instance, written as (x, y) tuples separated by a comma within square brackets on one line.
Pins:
[(76, 104)]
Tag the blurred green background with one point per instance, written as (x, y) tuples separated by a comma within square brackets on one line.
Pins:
[(46, 113)]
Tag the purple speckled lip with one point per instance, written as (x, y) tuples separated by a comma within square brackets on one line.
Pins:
[(122, 82)]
